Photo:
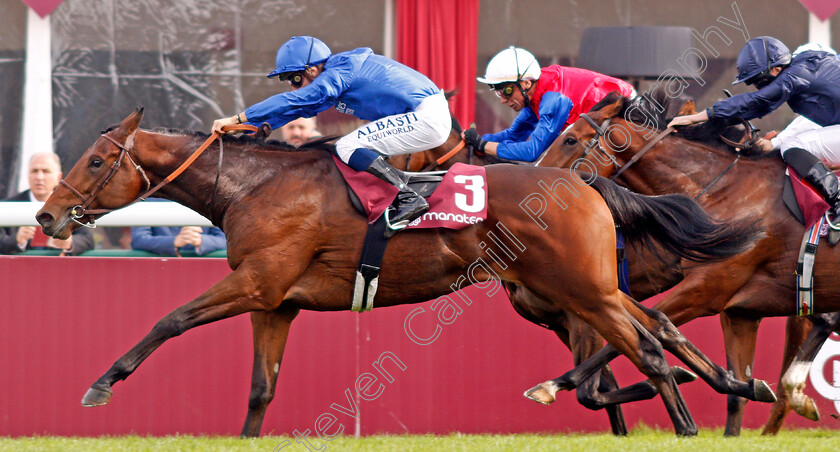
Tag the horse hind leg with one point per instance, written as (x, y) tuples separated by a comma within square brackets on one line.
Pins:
[(630, 337), (796, 375), (718, 378), (654, 365), (796, 331), (271, 330)]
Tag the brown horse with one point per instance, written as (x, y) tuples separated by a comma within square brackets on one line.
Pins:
[(294, 241), (581, 339), (696, 162)]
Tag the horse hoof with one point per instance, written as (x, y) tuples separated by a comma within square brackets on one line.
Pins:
[(809, 410), (682, 375), (96, 397), (762, 392), (540, 394)]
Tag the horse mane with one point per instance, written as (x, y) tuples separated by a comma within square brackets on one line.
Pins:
[(657, 106), (323, 143)]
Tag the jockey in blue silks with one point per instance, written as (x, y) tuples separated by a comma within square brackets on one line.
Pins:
[(408, 113), (809, 81)]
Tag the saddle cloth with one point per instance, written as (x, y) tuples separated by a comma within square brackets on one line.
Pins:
[(811, 204), (457, 197)]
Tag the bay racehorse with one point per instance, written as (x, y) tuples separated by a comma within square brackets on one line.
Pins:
[(697, 162), (581, 339), (294, 239)]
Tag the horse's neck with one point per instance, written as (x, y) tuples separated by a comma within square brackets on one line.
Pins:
[(242, 170), (677, 165)]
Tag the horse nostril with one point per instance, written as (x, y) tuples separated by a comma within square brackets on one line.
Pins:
[(45, 219)]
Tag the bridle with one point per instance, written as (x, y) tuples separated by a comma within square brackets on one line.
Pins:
[(600, 132), (81, 210), (595, 142)]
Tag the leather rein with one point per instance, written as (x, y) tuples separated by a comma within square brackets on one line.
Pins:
[(600, 132), (81, 210)]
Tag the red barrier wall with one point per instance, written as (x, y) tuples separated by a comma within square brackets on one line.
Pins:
[(65, 320)]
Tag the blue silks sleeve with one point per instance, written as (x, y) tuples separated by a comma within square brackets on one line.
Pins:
[(516, 144)]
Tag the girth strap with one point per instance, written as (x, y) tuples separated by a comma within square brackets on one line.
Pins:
[(805, 269), (367, 276)]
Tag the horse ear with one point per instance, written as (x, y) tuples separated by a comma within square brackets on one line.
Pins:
[(613, 109), (687, 108), (132, 122)]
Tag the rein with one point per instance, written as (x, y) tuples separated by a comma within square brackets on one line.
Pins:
[(81, 210), (600, 131), (445, 157), (644, 150)]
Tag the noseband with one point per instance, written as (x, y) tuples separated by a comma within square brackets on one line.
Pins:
[(595, 142), (81, 210)]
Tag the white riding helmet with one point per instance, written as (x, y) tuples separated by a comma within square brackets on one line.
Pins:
[(511, 65)]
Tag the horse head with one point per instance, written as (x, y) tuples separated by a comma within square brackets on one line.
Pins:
[(106, 177), (580, 146), (617, 132)]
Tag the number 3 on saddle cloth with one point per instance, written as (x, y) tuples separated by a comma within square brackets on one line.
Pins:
[(457, 198), (809, 208)]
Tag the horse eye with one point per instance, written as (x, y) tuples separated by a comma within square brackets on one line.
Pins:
[(570, 141), (96, 163)]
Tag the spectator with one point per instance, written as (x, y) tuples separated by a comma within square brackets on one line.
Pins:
[(300, 131), (44, 175), (171, 240)]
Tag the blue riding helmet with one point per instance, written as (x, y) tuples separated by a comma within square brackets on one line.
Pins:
[(759, 55), (300, 53)]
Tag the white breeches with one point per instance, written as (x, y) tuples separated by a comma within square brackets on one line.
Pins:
[(426, 127), (823, 142)]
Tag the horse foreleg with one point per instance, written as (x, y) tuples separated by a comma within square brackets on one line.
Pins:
[(739, 337), (233, 295), (794, 379), (271, 330), (718, 378), (575, 377)]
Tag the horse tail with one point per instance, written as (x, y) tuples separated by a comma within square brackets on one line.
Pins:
[(677, 223)]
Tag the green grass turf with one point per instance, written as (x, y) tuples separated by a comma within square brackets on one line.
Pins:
[(640, 439)]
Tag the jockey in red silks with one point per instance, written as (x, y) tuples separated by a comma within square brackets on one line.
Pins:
[(548, 99)]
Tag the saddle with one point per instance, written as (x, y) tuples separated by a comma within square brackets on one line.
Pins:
[(458, 198), (424, 184), (805, 203)]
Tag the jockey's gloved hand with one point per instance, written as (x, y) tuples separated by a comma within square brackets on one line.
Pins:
[(472, 138)]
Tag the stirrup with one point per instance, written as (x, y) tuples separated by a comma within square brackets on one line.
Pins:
[(834, 226), (394, 227)]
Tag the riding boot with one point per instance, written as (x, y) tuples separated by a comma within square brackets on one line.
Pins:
[(818, 175), (824, 180), (410, 205)]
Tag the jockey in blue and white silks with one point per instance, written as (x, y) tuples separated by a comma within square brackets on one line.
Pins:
[(408, 113), (809, 82)]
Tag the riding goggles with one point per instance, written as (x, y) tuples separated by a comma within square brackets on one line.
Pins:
[(503, 90), (760, 80), (295, 78)]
